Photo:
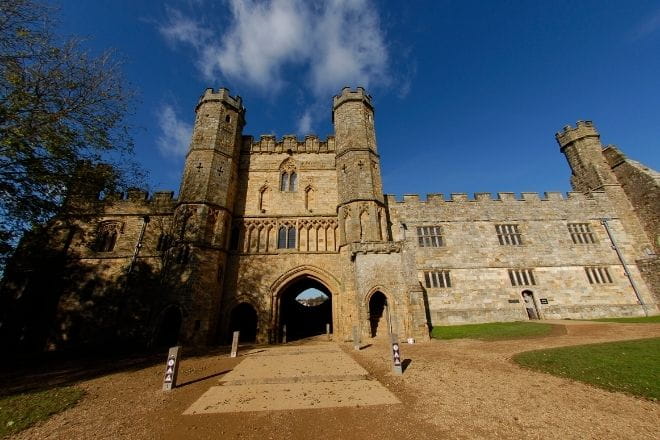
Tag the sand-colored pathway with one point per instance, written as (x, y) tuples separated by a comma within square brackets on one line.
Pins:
[(308, 376)]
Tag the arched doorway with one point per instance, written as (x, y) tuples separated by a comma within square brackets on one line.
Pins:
[(378, 315), (530, 305), (243, 318), (169, 328), (305, 308)]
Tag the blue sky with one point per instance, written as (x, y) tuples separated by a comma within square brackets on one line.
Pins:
[(468, 94)]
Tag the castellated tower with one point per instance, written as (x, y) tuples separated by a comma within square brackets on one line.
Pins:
[(361, 208), (584, 152), (202, 219)]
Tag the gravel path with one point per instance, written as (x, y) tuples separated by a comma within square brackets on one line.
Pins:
[(451, 389)]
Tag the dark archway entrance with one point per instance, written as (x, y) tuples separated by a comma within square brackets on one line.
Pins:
[(304, 318), (378, 314), (169, 328), (243, 318), (530, 305)]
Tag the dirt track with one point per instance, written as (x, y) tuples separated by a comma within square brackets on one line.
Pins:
[(451, 389)]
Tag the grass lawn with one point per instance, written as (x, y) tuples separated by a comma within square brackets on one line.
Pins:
[(21, 411), (630, 366), (648, 319), (492, 331)]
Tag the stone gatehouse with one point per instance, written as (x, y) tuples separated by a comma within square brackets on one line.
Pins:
[(257, 221)]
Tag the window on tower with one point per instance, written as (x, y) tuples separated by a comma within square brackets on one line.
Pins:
[(288, 181)]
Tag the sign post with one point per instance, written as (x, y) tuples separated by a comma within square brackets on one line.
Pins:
[(234, 344), (171, 368), (327, 330), (356, 338), (397, 366)]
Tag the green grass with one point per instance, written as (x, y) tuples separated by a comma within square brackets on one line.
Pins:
[(492, 331), (629, 366), (21, 411), (646, 319)]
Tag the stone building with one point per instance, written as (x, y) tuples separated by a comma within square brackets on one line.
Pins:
[(257, 221)]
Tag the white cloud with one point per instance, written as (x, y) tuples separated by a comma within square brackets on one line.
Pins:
[(332, 43), (175, 133), (646, 27), (305, 123)]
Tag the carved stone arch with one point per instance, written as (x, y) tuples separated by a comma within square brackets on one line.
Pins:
[(381, 289), (288, 165), (316, 273)]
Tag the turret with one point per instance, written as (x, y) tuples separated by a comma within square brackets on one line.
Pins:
[(584, 152), (361, 207), (202, 218)]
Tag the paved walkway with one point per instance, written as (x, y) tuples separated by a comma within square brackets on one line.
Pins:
[(311, 375)]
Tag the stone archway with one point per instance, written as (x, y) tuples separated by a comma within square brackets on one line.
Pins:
[(169, 327), (378, 314), (302, 321), (244, 318)]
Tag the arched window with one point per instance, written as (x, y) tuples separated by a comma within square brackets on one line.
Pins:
[(284, 182), (292, 181), (286, 237), (291, 242), (281, 237), (106, 236)]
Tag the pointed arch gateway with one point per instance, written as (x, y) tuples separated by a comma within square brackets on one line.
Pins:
[(302, 320)]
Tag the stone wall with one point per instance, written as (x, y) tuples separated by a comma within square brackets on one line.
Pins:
[(481, 289)]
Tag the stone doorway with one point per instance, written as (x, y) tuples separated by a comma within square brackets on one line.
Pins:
[(530, 305), (243, 318), (378, 315), (303, 318), (167, 334)]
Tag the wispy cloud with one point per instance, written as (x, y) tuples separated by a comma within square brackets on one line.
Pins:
[(332, 43), (649, 25), (175, 133), (305, 123)]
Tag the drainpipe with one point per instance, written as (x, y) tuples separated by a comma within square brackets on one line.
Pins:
[(623, 263), (138, 244)]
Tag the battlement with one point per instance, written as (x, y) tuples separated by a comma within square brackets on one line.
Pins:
[(141, 196), (347, 94), (268, 143), (570, 134), (222, 95), (501, 197)]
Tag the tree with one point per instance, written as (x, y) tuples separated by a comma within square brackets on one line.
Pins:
[(60, 108)]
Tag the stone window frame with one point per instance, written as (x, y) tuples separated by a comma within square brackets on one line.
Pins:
[(581, 233), (437, 279), (107, 234), (598, 275), (522, 277), (286, 237), (430, 236), (508, 234)]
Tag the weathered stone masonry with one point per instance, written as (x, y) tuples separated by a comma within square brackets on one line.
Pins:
[(255, 217)]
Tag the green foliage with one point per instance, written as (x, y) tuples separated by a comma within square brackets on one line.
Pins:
[(21, 411), (629, 366), (492, 331), (636, 319), (62, 112)]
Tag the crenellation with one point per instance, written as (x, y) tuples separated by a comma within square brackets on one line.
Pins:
[(435, 198), (136, 195), (289, 144), (483, 197), (531, 196), (554, 196), (506, 196), (221, 95), (571, 134), (411, 198), (459, 197)]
